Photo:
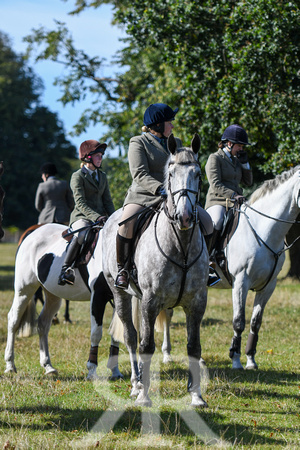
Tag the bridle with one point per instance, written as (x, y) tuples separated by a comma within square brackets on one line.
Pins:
[(185, 266), (261, 241), (182, 193)]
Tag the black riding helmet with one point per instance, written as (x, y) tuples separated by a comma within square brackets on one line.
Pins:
[(235, 134), (157, 114)]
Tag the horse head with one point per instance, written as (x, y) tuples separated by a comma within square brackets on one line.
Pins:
[(183, 175)]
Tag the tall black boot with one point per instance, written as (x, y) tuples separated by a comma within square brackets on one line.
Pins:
[(67, 275), (210, 240), (123, 255)]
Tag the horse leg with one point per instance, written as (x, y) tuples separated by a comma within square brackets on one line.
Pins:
[(67, 313), (260, 301), (21, 304), (112, 362), (193, 321), (239, 295), (123, 304), (50, 308), (166, 345), (146, 350)]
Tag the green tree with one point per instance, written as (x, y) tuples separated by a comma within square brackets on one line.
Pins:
[(220, 61), (29, 135)]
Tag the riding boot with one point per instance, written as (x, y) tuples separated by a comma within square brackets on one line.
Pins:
[(123, 255), (67, 275), (210, 240)]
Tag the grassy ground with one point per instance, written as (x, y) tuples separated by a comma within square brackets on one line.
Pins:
[(246, 409)]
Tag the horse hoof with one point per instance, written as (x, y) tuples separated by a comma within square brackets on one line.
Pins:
[(49, 370), (197, 400), (136, 389), (251, 366), (66, 321), (143, 401), (167, 359), (92, 376), (202, 363), (116, 375), (236, 363), (11, 369)]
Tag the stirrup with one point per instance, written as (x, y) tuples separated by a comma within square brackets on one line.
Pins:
[(124, 282), (213, 277), (67, 276)]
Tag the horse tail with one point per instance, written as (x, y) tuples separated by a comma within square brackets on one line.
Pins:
[(28, 323), (116, 329), (161, 319)]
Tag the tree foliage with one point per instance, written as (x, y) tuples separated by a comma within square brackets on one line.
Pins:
[(220, 61), (29, 135)]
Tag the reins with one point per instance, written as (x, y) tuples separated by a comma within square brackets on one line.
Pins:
[(261, 241), (183, 266)]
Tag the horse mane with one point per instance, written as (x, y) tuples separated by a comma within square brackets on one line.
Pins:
[(269, 186)]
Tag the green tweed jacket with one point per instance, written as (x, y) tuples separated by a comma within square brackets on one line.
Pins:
[(147, 159), (91, 199), (224, 177)]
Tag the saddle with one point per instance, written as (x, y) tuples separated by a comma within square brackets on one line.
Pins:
[(230, 223), (142, 223)]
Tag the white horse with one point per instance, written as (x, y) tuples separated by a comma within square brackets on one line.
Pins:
[(38, 263), (172, 266), (255, 255)]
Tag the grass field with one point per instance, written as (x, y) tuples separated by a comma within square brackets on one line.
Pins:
[(259, 409)]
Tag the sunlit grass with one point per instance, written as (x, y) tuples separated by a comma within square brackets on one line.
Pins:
[(246, 409)]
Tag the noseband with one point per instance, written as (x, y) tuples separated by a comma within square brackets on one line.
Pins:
[(182, 193)]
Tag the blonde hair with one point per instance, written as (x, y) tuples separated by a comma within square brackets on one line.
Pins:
[(145, 129)]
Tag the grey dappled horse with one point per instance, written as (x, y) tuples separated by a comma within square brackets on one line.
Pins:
[(38, 263), (172, 266), (255, 256)]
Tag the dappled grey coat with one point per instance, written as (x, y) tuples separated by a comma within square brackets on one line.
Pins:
[(224, 177), (147, 159)]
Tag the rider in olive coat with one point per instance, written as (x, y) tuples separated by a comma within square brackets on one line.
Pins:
[(225, 170), (147, 156), (92, 198)]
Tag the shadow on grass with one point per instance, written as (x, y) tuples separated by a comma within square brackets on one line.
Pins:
[(171, 423)]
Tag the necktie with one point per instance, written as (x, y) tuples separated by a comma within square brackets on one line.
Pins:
[(95, 177)]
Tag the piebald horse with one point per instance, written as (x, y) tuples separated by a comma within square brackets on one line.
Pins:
[(38, 263), (172, 266)]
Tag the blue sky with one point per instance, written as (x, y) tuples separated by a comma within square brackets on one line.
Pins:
[(92, 32)]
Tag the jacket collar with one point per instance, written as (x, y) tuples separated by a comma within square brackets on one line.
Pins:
[(155, 142)]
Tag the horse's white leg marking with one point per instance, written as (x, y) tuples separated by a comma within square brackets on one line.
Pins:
[(50, 308), (260, 301), (166, 345), (14, 318)]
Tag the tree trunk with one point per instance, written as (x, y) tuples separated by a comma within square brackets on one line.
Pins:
[(294, 232)]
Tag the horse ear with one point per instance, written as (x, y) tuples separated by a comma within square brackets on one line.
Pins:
[(196, 143), (172, 145)]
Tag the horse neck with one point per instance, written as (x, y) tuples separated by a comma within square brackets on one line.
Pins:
[(277, 204)]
